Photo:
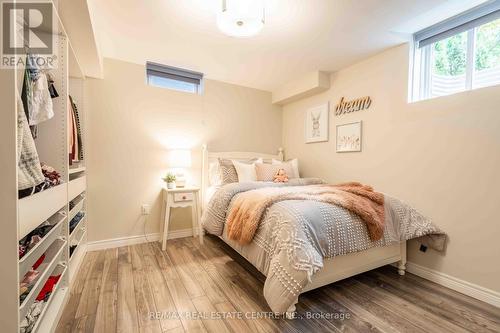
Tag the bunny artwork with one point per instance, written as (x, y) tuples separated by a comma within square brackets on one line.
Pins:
[(315, 120)]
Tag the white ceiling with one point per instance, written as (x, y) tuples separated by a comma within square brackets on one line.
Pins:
[(299, 35)]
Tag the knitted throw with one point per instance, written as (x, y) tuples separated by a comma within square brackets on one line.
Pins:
[(249, 207)]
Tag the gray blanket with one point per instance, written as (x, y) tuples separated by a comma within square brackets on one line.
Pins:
[(295, 236)]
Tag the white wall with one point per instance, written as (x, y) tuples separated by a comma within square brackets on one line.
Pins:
[(442, 156), (130, 127)]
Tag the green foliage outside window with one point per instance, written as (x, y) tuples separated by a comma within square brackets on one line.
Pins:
[(450, 55), (488, 46)]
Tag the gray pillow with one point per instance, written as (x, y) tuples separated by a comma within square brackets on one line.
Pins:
[(228, 172)]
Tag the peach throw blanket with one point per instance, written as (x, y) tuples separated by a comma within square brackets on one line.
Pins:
[(249, 207)]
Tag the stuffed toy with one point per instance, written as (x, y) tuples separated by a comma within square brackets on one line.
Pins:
[(280, 176)]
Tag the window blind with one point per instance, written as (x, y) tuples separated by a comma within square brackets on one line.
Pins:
[(168, 72), (470, 19)]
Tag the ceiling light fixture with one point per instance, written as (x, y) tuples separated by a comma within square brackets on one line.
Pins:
[(241, 18)]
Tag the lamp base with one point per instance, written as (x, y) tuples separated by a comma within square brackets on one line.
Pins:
[(180, 181)]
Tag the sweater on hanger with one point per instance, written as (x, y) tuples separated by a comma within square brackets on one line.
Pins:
[(29, 169)]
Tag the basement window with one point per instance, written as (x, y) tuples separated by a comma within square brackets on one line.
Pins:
[(459, 54), (174, 78)]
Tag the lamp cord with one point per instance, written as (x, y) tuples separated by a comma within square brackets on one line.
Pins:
[(144, 229)]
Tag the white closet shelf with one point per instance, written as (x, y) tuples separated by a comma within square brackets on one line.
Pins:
[(53, 256), (60, 269), (76, 258), (37, 208), (78, 206), (81, 236), (75, 235), (54, 309), (76, 187), (27, 261), (76, 170)]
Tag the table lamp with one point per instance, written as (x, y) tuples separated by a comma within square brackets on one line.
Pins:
[(178, 161)]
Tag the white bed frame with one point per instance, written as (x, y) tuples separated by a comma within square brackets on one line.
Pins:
[(334, 269)]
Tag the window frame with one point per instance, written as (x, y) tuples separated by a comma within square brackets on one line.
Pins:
[(420, 84), (155, 70)]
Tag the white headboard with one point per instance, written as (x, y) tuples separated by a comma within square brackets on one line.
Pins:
[(209, 157)]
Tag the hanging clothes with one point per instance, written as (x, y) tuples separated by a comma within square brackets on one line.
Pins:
[(34, 106), (36, 96), (75, 136), (41, 105), (27, 96), (75, 143), (69, 121), (29, 169), (78, 129), (52, 88), (72, 135)]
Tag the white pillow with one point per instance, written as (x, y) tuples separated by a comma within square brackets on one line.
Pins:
[(214, 174), (293, 163), (246, 172)]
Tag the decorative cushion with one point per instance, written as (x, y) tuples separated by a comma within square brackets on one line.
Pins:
[(294, 164), (245, 171), (266, 172), (228, 172)]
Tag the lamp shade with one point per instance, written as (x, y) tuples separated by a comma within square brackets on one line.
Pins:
[(179, 158)]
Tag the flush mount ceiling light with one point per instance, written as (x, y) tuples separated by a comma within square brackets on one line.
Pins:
[(241, 18)]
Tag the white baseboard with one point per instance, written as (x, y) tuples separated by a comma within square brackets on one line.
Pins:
[(182, 233), (473, 290), (132, 240)]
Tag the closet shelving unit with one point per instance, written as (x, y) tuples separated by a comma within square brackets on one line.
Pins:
[(51, 205), (77, 186)]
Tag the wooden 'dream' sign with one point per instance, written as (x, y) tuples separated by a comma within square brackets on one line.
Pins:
[(359, 104)]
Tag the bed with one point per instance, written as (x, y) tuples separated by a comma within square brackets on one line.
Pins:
[(291, 262)]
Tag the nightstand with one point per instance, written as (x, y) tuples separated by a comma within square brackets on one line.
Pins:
[(181, 197)]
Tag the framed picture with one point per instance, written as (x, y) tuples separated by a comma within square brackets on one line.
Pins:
[(349, 137), (317, 124)]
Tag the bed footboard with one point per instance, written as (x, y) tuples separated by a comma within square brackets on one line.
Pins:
[(342, 267)]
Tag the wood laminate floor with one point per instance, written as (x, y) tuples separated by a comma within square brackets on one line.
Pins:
[(142, 289)]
